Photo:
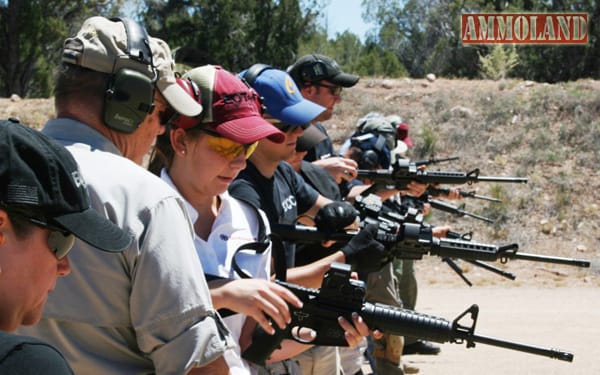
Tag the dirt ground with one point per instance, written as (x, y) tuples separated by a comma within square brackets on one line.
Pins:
[(547, 306), (567, 318)]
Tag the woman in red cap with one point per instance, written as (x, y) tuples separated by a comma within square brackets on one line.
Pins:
[(200, 157)]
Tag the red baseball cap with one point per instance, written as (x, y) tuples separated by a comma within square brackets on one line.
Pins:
[(402, 134), (231, 108)]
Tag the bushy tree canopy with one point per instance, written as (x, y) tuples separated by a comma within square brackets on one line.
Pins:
[(410, 37)]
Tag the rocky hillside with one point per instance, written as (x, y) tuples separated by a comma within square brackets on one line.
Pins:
[(547, 133)]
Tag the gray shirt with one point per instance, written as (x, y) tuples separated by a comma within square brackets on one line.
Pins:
[(147, 310)]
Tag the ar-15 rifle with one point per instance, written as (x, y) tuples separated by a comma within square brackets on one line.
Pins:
[(412, 240), (403, 171), (372, 205), (418, 203), (341, 296)]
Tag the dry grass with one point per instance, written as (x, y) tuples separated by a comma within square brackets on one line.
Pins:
[(33, 112)]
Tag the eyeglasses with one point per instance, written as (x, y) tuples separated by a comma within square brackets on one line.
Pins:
[(60, 241), (334, 90), (226, 147), (286, 128)]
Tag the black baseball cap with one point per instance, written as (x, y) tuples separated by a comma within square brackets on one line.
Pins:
[(39, 177), (315, 68)]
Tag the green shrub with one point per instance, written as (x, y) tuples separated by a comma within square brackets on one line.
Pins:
[(498, 63)]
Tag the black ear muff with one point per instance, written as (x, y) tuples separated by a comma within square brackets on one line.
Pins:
[(368, 160), (130, 94), (254, 71), (250, 77)]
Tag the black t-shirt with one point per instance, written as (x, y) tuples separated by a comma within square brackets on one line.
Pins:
[(322, 181), (29, 356), (282, 197), (322, 149)]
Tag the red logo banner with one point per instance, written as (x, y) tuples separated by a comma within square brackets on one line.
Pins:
[(524, 28)]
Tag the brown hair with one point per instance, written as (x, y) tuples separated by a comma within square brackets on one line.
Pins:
[(21, 225), (163, 153)]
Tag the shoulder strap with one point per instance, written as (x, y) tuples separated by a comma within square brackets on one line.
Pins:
[(262, 243), (138, 41)]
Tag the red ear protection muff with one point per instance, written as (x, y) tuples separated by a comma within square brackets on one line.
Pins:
[(185, 122)]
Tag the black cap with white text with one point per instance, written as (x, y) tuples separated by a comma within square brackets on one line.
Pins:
[(39, 177)]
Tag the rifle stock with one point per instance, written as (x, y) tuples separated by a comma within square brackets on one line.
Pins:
[(341, 296)]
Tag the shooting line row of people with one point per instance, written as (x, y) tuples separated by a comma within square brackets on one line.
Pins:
[(194, 277)]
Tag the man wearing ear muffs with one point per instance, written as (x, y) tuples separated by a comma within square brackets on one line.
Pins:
[(146, 310)]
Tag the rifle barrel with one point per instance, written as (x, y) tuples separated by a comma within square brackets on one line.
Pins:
[(483, 197), (546, 352), (521, 180), (411, 323), (434, 161), (486, 219), (431, 190), (549, 259)]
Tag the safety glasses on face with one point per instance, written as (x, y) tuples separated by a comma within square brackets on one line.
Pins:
[(60, 241), (334, 90), (287, 128), (226, 147)]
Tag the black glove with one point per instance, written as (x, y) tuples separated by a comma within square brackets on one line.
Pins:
[(335, 216), (364, 252)]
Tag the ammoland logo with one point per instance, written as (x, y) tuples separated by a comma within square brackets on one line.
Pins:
[(524, 28)]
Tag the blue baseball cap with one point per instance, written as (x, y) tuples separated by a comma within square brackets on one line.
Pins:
[(280, 94)]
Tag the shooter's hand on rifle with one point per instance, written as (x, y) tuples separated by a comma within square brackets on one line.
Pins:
[(440, 231), (341, 169), (450, 193), (263, 300), (414, 188), (353, 329), (336, 216), (364, 252)]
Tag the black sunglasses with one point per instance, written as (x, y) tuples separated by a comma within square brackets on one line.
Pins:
[(288, 127), (334, 90), (60, 241)]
